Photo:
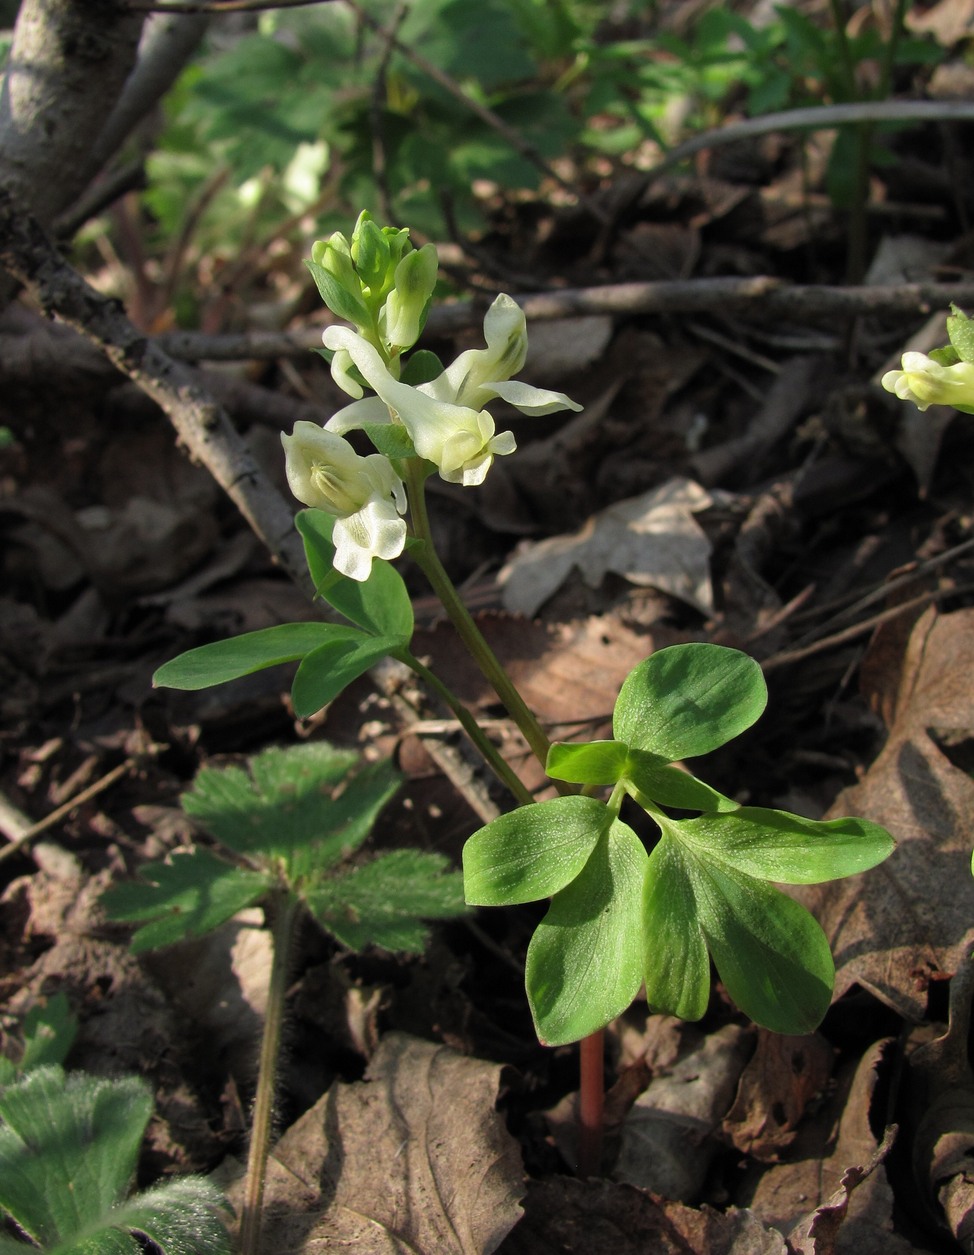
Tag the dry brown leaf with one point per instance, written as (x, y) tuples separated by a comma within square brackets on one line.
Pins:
[(413, 1158), (782, 1077), (600, 1217), (652, 540), (910, 920)]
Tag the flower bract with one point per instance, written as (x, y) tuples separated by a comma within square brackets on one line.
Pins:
[(364, 494)]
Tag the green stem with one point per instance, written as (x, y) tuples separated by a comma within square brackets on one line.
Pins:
[(286, 910), (461, 619), (485, 747)]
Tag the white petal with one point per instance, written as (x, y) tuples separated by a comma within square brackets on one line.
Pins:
[(531, 400), (369, 410)]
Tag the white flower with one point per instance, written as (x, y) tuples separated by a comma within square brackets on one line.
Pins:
[(925, 382), (460, 441), (479, 375), (364, 494)]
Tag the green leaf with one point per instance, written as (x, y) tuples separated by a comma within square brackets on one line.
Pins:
[(671, 786), (421, 367), (532, 852), (337, 298), (49, 1030), (68, 1151), (383, 902), (332, 667), (380, 605), (960, 329), (584, 963), (687, 700), (188, 896), (594, 762), (301, 804), (776, 845), (391, 439), (676, 964), (770, 953), (242, 655)]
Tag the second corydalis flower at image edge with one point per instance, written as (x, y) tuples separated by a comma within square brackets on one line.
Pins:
[(926, 382), (445, 418), (364, 495)]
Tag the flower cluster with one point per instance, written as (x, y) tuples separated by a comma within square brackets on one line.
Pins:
[(383, 286)]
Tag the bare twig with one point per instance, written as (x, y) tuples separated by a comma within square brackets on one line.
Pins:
[(203, 426), (18, 829), (766, 296)]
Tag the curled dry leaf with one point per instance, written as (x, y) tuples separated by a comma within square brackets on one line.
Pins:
[(413, 1158), (910, 919)]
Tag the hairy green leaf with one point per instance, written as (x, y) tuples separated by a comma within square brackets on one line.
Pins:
[(776, 845), (330, 668), (532, 852), (380, 605), (68, 1150), (592, 762), (302, 804), (241, 655), (384, 902), (686, 700), (188, 896), (584, 963)]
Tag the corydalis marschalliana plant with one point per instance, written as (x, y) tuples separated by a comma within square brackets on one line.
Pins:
[(420, 410)]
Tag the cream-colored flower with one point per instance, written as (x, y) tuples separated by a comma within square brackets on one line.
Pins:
[(460, 441), (925, 382), (364, 494)]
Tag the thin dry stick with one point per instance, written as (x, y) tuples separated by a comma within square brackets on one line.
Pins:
[(771, 298), (19, 830)]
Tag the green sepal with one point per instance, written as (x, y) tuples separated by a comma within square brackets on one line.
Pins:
[(221, 661), (191, 894), (380, 605), (390, 439), (591, 762), (584, 963), (384, 902), (532, 852), (776, 845), (960, 329), (421, 367), (686, 700), (338, 299), (671, 786), (947, 356), (327, 670)]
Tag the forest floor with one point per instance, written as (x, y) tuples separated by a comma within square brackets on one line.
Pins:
[(737, 476)]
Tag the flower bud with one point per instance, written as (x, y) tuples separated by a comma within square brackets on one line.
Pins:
[(408, 303)]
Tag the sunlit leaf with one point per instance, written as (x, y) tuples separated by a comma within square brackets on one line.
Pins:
[(676, 965), (326, 671), (592, 762), (221, 661)]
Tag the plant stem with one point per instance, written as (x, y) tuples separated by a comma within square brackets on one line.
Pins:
[(462, 620), (591, 1099), (495, 760), (286, 910)]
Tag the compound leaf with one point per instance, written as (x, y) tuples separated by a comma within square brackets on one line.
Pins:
[(584, 963), (380, 605), (221, 661), (686, 700), (532, 852), (384, 902), (191, 894)]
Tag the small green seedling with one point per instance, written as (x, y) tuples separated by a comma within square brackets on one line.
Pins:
[(47, 1034), (69, 1144), (620, 917), (285, 828)]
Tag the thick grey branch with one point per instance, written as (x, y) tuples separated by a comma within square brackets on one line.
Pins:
[(203, 426)]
